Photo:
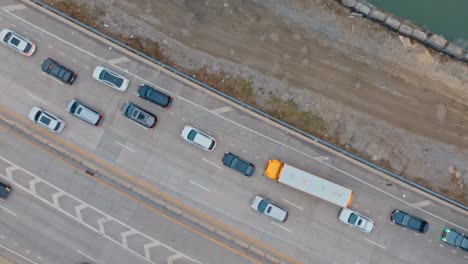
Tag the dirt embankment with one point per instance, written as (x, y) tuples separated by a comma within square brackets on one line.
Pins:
[(315, 66)]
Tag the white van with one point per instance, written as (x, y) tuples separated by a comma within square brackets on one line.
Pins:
[(84, 112)]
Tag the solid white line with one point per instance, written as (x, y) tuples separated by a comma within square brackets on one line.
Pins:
[(18, 254), (27, 251), (9, 211), (124, 146), (61, 53), (200, 186), (375, 243), (465, 257), (278, 225), (43, 102), (293, 204), (212, 163), (87, 256), (321, 158)]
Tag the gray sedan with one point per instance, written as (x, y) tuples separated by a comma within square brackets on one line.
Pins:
[(139, 115)]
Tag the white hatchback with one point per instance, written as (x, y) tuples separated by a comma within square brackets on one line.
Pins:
[(110, 78), (17, 42), (44, 118), (356, 220)]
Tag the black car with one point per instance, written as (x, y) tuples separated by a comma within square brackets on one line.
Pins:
[(139, 115), (60, 72), (234, 162), (406, 220), (159, 98), (5, 190), (454, 238)]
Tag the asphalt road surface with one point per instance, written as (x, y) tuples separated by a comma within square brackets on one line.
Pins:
[(38, 229)]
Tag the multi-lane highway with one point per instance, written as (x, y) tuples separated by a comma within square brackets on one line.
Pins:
[(87, 219)]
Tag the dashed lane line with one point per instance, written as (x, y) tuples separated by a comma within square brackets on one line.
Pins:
[(36, 98), (200, 186), (18, 254), (282, 227), (375, 243), (83, 254), (211, 163), (293, 204)]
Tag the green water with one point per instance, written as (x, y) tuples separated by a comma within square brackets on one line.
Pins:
[(448, 18)]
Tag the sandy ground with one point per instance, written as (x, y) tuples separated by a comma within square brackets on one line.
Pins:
[(384, 97)]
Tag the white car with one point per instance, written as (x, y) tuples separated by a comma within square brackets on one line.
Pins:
[(44, 118), (198, 138), (17, 42), (111, 78), (356, 220), (263, 206)]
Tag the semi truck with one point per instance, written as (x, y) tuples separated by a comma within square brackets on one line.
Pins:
[(308, 183)]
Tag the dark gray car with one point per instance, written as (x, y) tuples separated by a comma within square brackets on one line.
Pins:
[(157, 97), (238, 164), (139, 115), (406, 220)]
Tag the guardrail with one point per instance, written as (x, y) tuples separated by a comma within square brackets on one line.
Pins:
[(253, 109)]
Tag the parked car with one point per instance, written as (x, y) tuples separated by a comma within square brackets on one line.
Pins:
[(60, 72), (17, 42), (412, 222), (84, 112), (198, 138), (5, 190), (266, 207), (46, 119), (356, 220), (238, 164), (454, 238), (157, 97), (139, 115), (111, 78)]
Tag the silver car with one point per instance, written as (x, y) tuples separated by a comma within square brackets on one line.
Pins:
[(264, 206), (198, 138), (356, 220), (44, 118), (139, 115), (110, 78)]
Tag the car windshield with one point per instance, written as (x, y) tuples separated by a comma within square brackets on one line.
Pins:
[(57, 126), (111, 78), (262, 206), (28, 47), (7, 37), (191, 135), (353, 218)]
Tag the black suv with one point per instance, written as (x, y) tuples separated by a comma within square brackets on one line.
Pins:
[(159, 98), (406, 220), (60, 72), (236, 163)]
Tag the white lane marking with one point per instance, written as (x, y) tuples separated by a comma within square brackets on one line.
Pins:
[(453, 251), (293, 204), (212, 163), (222, 110), (18, 254), (33, 96), (81, 253), (280, 226), (321, 158), (86, 67), (26, 33), (39, 257), (147, 248), (2, 236), (88, 207), (367, 211), (27, 251), (37, 40), (124, 146), (422, 204), (126, 234), (171, 113), (50, 46), (200, 186), (9, 211), (242, 126), (375, 243), (61, 53), (118, 60), (440, 245), (13, 7)]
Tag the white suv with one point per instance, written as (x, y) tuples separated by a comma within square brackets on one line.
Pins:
[(263, 206), (198, 138), (44, 118)]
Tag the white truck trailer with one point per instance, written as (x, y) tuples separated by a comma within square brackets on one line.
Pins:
[(308, 183)]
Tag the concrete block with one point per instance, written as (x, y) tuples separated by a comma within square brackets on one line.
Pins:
[(272, 259), (405, 30), (392, 23), (257, 251), (159, 201), (207, 226), (419, 35), (454, 50), (40, 138), (377, 15), (174, 209), (241, 243), (349, 3), (362, 8), (191, 218), (89, 165), (58, 148), (224, 235), (437, 42)]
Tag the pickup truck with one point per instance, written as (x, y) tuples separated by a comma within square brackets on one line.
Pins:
[(60, 72)]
